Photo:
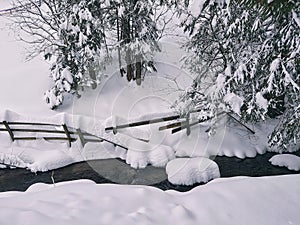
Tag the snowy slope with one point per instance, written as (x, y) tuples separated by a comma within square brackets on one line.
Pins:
[(22, 84), (233, 201)]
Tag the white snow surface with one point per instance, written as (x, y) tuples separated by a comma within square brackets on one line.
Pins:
[(231, 201), (292, 162), (185, 171), (234, 101), (140, 153), (261, 101)]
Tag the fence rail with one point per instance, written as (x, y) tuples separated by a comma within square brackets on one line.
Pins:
[(179, 123), (59, 133), (64, 133)]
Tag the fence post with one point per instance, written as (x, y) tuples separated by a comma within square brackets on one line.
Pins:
[(67, 133), (81, 137), (188, 127), (11, 134)]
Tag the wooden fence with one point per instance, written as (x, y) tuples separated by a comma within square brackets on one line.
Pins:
[(52, 132), (177, 123), (55, 132)]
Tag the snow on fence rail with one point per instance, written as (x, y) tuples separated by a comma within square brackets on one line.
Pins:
[(56, 132), (63, 132), (181, 123)]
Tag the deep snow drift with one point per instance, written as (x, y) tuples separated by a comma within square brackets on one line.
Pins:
[(233, 201)]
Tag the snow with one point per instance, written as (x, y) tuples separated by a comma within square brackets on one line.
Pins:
[(140, 153), (274, 65), (102, 150), (6, 159), (261, 101), (195, 7), (230, 139), (234, 101), (185, 171), (296, 18), (53, 98), (136, 132), (292, 162), (241, 200), (18, 77), (220, 82)]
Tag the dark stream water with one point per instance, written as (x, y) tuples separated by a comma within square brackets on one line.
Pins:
[(116, 171)]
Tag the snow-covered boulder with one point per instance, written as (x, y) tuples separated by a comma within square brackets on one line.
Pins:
[(188, 171), (102, 150), (140, 153), (292, 162)]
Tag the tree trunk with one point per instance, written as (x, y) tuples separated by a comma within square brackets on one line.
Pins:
[(138, 70), (128, 56), (92, 73), (119, 50)]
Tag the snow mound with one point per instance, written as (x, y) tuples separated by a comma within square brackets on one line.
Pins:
[(292, 162), (102, 150), (12, 160), (140, 153), (273, 200), (39, 187), (229, 139), (190, 171), (49, 160)]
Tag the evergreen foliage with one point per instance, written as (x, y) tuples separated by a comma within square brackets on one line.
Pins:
[(246, 56)]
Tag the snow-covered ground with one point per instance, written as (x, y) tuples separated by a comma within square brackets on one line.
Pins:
[(266, 201), (234, 201)]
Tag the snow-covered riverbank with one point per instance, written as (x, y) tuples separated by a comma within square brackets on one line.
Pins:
[(231, 201)]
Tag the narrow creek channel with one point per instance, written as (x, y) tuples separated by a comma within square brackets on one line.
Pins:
[(118, 172)]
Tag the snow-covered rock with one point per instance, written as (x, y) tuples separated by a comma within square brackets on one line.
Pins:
[(140, 153), (292, 162), (184, 171), (103, 150)]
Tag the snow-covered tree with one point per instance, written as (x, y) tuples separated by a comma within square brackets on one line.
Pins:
[(246, 55), (79, 37), (70, 34), (134, 24)]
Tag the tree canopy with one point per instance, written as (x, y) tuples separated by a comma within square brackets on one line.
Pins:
[(246, 57)]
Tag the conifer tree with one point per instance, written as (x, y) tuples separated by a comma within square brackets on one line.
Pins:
[(246, 56)]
